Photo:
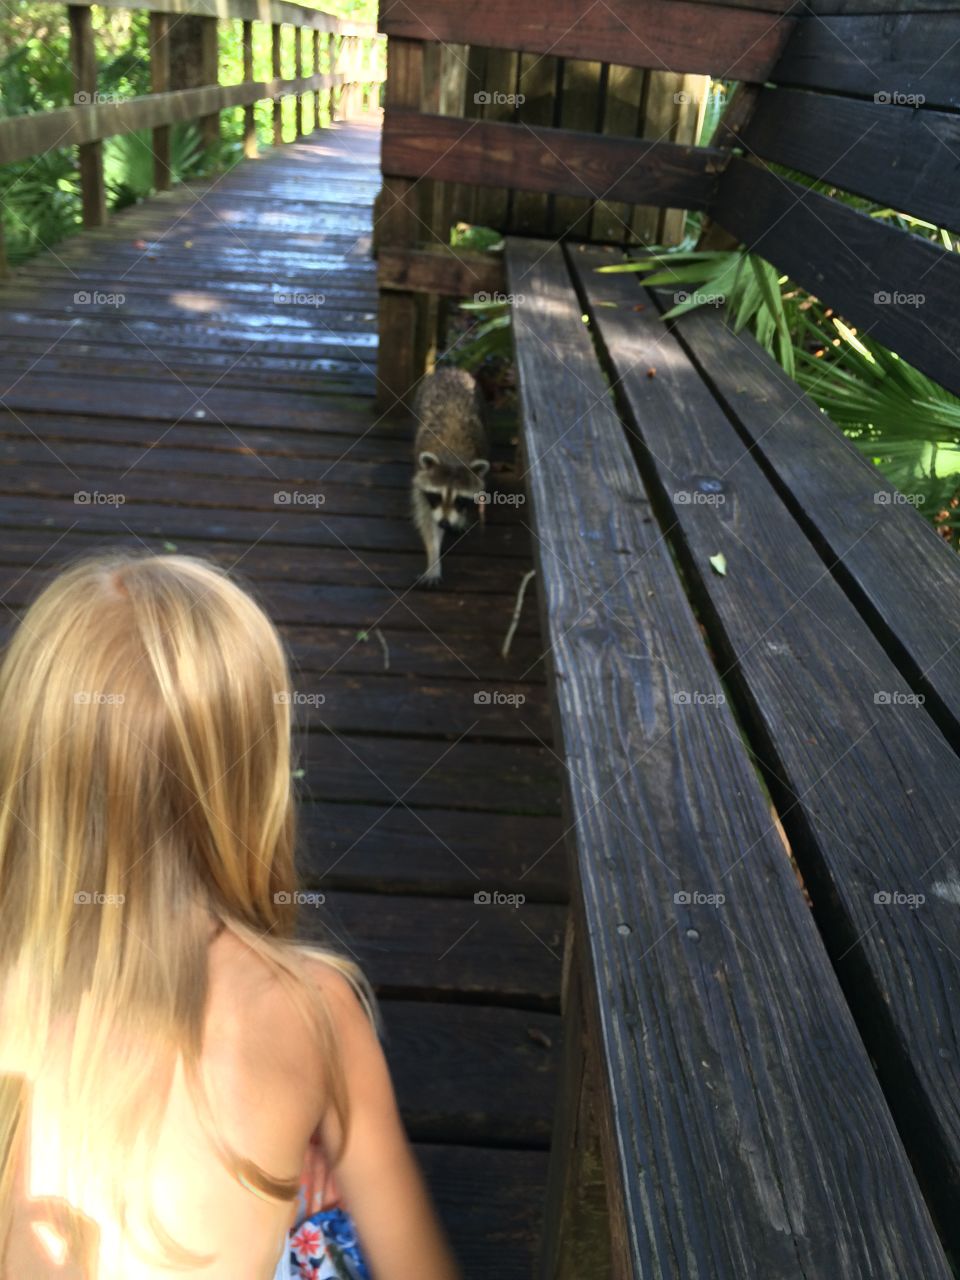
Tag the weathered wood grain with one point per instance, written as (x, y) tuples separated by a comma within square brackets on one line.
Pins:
[(561, 162), (847, 748), (893, 285), (731, 1144)]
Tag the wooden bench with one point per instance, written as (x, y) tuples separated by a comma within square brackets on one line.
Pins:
[(762, 1036), (763, 1068)]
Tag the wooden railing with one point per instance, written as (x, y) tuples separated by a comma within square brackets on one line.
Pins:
[(185, 83)]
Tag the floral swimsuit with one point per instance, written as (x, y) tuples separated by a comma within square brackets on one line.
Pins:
[(323, 1243)]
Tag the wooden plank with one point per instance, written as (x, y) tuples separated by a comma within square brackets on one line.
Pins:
[(834, 7), (558, 161), (899, 156), (25, 136), (623, 94), (491, 1205), (493, 205), (160, 83), (400, 346), (537, 87), (439, 947), (250, 148), (906, 56), (351, 846), (730, 126), (895, 286), (902, 575), (441, 270), (276, 34), (743, 986), (472, 1073), (298, 37), (83, 55), (720, 40), (580, 106), (792, 641)]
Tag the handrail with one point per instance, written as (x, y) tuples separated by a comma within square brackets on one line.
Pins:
[(349, 50)]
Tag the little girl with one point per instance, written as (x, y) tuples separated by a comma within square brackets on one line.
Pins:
[(184, 1089)]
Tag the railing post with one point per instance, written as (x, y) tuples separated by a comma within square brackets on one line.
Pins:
[(298, 34), (84, 57), (194, 62), (316, 71), (400, 312), (210, 74), (332, 64), (576, 1237), (160, 83), (278, 99), (249, 119)]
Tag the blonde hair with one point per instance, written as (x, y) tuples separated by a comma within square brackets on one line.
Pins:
[(145, 791)]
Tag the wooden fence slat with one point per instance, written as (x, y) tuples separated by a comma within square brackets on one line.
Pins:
[(441, 270), (276, 32), (160, 83), (557, 161), (623, 93), (83, 53), (878, 150), (910, 55), (298, 73), (731, 43), (249, 118), (492, 205), (537, 83), (897, 287)]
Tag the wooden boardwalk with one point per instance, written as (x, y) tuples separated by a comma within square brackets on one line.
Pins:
[(164, 382)]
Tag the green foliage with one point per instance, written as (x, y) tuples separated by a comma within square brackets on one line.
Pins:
[(904, 422)]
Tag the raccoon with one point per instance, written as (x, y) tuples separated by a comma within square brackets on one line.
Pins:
[(450, 460)]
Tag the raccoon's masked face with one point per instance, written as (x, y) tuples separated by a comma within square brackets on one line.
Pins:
[(451, 492)]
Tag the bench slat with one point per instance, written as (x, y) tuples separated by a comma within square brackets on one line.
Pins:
[(751, 1137), (903, 575), (909, 53), (851, 775), (894, 154), (899, 288)]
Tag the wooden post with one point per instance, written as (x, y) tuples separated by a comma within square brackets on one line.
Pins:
[(331, 65), (316, 70), (278, 100), (84, 57), (398, 369), (249, 120), (576, 1239), (160, 83), (298, 34), (579, 108), (210, 73), (621, 115)]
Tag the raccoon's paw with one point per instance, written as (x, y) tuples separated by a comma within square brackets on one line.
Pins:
[(429, 578)]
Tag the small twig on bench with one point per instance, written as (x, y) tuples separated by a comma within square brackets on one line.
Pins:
[(517, 608), (383, 645)]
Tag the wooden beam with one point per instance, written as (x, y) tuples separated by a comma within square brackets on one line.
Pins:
[(84, 57), (440, 270), (559, 161), (249, 118), (895, 286), (275, 35), (24, 136), (160, 83), (714, 39)]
